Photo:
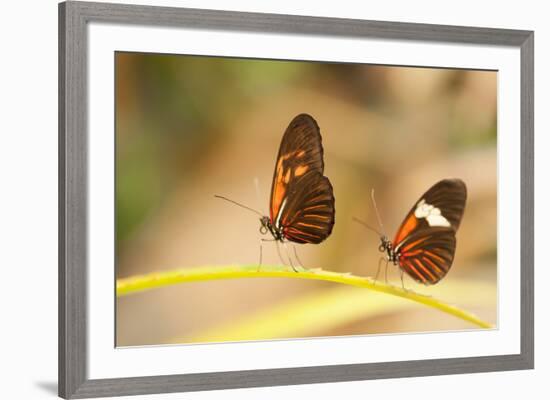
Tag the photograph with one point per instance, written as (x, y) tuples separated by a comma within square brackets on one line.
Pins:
[(266, 199)]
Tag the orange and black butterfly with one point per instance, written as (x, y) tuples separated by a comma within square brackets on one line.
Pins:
[(425, 243), (301, 207)]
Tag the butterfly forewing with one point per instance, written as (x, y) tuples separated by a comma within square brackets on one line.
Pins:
[(300, 152), (302, 201), (426, 239), (441, 206)]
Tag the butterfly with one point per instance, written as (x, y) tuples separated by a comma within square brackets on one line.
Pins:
[(301, 208), (425, 243)]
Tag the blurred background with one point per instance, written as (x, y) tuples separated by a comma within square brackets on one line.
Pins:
[(189, 127)]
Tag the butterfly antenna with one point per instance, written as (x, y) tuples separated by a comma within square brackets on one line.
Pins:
[(376, 210), (257, 187), (367, 226), (238, 204)]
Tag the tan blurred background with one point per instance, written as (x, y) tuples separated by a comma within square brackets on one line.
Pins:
[(189, 127)]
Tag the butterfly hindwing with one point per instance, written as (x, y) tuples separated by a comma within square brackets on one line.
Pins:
[(302, 201), (427, 254), (308, 214)]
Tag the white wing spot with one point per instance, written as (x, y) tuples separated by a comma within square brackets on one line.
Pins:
[(431, 214)]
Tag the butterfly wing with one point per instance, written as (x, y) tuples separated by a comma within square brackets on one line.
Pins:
[(300, 152), (302, 201), (426, 239), (307, 215), (427, 255), (442, 205)]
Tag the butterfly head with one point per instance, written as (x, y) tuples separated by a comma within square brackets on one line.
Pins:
[(385, 243), (386, 246), (265, 225)]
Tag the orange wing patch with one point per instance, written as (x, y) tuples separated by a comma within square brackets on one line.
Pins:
[(309, 225), (413, 244), (287, 176), (433, 265), (425, 270), (316, 216), (299, 171), (316, 207), (282, 178), (415, 274), (279, 189), (434, 255), (406, 228), (300, 232)]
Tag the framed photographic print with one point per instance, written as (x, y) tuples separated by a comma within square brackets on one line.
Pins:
[(255, 200)]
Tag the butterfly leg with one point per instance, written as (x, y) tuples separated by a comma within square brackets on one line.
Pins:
[(402, 284), (298, 258), (261, 250), (260, 263), (279, 253), (257, 188), (380, 260), (289, 258)]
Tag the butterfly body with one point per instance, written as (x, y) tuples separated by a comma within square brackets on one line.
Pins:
[(267, 226), (424, 245), (386, 246)]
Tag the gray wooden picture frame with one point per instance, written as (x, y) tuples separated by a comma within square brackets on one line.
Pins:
[(73, 173)]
